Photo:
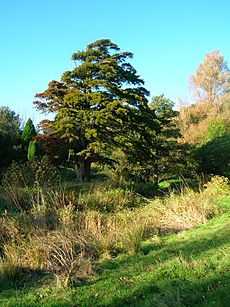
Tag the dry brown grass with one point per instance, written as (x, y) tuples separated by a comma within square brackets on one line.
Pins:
[(190, 208), (55, 237)]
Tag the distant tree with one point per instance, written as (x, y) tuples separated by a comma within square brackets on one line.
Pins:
[(100, 106), (168, 150), (28, 132), (205, 125), (212, 78), (9, 136), (211, 88), (164, 108), (193, 122)]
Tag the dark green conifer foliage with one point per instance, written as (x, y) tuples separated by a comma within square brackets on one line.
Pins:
[(100, 105), (168, 151), (32, 150), (28, 132)]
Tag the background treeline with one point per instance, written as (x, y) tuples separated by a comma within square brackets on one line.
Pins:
[(100, 191), (102, 117)]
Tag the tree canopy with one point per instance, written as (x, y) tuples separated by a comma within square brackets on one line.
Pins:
[(168, 149), (213, 157), (100, 105), (212, 79), (211, 89)]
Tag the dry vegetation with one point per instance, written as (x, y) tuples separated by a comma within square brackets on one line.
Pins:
[(58, 236)]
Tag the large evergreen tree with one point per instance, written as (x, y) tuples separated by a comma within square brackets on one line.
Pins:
[(100, 105)]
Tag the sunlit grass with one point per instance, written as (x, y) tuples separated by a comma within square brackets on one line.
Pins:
[(127, 257)]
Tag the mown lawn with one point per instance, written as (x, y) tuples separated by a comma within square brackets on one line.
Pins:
[(191, 268)]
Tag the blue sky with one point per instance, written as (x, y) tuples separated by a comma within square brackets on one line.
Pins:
[(168, 39)]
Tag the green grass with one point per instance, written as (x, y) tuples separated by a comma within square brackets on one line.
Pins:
[(191, 268)]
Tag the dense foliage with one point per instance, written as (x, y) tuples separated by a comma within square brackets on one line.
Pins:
[(117, 240), (213, 157), (30, 174), (28, 132), (100, 106), (9, 136), (101, 114)]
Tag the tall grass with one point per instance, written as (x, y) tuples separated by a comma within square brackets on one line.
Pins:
[(63, 232)]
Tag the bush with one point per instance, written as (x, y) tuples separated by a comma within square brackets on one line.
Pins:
[(108, 199), (20, 178), (32, 150), (31, 174), (217, 128), (123, 170), (214, 156)]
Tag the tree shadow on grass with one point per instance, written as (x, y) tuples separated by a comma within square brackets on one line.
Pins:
[(190, 247), (169, 286), (179, 292), (26, 279)]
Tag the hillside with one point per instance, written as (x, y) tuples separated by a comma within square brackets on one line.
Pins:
[(186, 268)]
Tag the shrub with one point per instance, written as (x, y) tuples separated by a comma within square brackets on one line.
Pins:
[(216, 187), (106, 198), (30, 174), (28, 132), (213, 157), (19, 178), (217, 128), (10, 270), (32, 150), (191, 208), (132, 237)]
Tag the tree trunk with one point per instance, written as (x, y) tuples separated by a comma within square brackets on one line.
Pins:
[(156, 181), (82, 169)]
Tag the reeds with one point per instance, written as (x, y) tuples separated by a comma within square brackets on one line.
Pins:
[(58, 236)]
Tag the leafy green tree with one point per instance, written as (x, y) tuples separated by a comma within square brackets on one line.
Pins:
[(28, 132), (164, 108), (100, 106), (9, 136)]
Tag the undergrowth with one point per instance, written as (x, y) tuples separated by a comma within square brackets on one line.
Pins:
[(63, 233)]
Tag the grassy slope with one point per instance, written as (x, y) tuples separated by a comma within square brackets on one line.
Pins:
[(186, 269)]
